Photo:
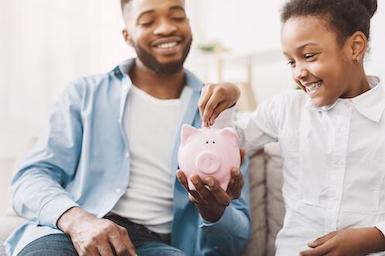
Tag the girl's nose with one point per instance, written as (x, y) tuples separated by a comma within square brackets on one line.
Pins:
[(300, 73)]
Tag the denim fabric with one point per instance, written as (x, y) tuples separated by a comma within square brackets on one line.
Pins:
[(51, 245), (146, 242)]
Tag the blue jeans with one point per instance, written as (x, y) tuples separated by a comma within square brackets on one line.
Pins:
[(146, 242)]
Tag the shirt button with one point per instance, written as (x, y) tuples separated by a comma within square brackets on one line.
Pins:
[(118, 190), (127, 155)]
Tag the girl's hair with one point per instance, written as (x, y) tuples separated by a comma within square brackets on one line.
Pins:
[(344, 16)]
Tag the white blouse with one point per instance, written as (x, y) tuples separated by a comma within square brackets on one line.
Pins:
[(334, 162)]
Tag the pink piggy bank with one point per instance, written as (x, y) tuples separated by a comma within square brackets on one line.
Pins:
[(209, 152)]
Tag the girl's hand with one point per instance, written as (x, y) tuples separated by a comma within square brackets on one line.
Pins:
[(352, 242), (215, 99)]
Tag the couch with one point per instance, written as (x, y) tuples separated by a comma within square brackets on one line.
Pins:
[(266, 201)]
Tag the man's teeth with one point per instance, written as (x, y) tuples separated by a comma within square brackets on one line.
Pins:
[(167, 45), (313, 87)]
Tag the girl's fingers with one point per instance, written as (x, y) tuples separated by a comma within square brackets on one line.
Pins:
[(206, 95), (217, 110)]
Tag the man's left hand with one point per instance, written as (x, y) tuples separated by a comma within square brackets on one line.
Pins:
[(209, 197)]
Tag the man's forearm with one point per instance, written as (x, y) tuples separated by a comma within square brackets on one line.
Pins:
[(69, 218), (228, 235), (41, 206)]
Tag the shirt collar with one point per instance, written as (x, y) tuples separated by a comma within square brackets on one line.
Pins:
[(370, 104), (121, 72)]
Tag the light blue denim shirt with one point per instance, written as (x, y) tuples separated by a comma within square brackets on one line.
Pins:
[(82, 159)]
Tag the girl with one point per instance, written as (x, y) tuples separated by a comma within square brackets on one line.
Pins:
[(332, 133)]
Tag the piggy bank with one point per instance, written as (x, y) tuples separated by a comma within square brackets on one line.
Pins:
[(208, 152)]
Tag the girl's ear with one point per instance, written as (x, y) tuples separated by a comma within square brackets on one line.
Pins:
[(127, 36), (359, 45)]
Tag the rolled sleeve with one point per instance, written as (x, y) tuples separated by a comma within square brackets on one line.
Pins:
[(38, 187), (54, 209), (225, 119), (230, 216), (381, 226)]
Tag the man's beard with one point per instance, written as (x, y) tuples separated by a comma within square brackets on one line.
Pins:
[(162, 68)]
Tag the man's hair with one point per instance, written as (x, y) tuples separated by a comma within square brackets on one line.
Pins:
[(123, 3), (344, 16)]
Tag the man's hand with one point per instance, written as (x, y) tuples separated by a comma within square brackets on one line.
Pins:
[(94, 236), (352, 242), (209, 197), (215, 99)]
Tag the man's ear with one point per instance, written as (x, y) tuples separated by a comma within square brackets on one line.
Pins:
[(359, 45), (127, 36)]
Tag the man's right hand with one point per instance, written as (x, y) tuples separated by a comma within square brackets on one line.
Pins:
[(93, 236)]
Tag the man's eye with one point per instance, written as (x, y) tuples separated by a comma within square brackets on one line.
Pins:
[(146, 22), (179, 18)]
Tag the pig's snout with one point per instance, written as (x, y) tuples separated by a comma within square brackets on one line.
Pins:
[(208, 162)]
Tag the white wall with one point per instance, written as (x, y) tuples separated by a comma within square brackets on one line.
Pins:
[(242, 25), (44, 44), (249, 26)]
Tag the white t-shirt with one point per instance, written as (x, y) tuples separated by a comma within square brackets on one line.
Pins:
[(334, 162), (151, 126)]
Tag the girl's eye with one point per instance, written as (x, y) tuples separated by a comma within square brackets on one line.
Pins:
[(291, 63), (310, 56)]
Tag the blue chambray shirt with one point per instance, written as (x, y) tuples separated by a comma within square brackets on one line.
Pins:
[(82, 159)]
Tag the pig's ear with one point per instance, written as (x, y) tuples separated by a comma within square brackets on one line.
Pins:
[(187, 131), (230, 133)]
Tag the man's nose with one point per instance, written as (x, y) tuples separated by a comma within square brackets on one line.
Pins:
[(165, 27)]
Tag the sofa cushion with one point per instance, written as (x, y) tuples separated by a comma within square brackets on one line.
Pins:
[(274, 200), (257, 243)]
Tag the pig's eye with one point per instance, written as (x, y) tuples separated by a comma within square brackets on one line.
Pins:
[(213, 142), (207, 142)]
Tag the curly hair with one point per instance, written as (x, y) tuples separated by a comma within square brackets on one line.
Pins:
[(345, 16)]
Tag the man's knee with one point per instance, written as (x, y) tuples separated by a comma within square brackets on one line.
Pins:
[(158, 249), (51, 245)]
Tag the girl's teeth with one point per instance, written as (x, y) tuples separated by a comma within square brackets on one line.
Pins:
[(312, 88)]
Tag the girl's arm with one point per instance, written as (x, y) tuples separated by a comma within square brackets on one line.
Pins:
[(215, 99), (352, 241), (255, 129)]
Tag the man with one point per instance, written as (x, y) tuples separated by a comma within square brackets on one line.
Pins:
[(101, 180)]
